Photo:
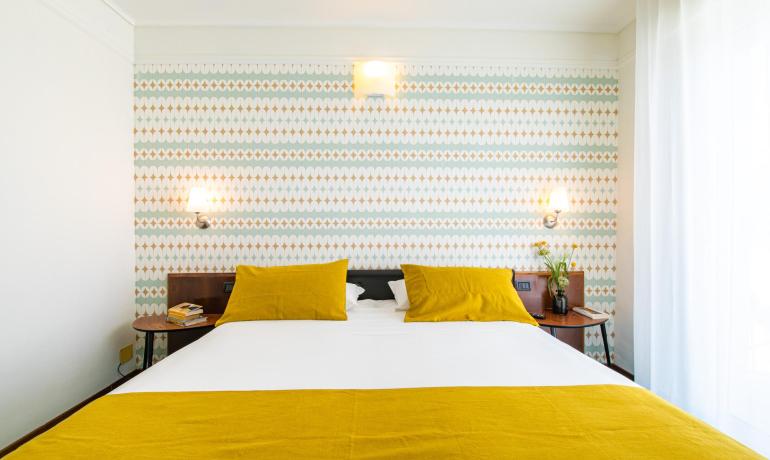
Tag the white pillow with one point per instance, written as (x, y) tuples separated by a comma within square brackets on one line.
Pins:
[(352, 292), (399, 292), (372, 305)]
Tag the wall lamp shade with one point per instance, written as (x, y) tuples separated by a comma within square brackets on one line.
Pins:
[(199, 202), (558, 202), (374, 78)]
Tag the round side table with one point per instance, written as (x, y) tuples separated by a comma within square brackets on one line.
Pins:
[(157, 323), (574, 320)]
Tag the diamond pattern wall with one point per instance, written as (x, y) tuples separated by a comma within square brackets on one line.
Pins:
[(455, 170)]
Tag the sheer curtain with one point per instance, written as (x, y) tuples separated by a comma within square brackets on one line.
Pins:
[(702, 193)]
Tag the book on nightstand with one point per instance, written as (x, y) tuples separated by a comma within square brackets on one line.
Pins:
[(188, 322), (185, 314), (593, 314)]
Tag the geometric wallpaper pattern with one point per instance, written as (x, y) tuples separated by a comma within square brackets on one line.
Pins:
[(455, 170)]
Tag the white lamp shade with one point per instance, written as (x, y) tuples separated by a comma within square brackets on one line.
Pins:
[(199, 200), (374, 78), (559, 200)]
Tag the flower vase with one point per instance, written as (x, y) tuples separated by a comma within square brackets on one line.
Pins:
[(559, 303)]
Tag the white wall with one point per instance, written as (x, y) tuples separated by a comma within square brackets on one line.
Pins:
[(243, 44), (66, 200), (624, 306)]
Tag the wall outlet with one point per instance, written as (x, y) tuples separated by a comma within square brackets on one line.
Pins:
[(126, 353), (523, 286)]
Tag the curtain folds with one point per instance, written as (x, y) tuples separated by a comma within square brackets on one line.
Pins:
[(702, 227)]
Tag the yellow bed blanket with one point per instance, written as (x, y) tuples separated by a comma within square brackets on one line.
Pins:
[(575, 422)]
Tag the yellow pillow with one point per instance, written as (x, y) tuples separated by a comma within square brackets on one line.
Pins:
[(462, 294), (294, 292)]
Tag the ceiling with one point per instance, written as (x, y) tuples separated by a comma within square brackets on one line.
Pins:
[(607, 16)]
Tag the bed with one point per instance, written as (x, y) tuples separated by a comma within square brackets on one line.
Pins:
[(376, 387)]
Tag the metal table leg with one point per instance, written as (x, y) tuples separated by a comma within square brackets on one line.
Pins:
[(553, 331), (148, 344), (606, 344)]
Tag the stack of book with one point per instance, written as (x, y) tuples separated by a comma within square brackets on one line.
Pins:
[(185, 314)]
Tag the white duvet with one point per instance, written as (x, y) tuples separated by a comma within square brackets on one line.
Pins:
[(373, 349)]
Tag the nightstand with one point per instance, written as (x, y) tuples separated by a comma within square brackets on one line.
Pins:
[(574, 320), (157, 323)]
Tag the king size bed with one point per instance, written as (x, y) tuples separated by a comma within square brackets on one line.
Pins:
[(376, 387)]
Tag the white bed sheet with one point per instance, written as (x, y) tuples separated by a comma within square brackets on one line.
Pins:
[(373, 349)]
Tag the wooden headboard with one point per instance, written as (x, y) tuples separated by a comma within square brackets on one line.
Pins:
[(212, 290)]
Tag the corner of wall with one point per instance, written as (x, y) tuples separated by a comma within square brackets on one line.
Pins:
[(624, 310)]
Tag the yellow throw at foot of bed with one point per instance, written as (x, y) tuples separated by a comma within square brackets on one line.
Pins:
[(576, 422)]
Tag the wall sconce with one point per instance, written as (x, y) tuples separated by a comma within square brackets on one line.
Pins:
[(199, 202), (558, 202), (374, 78)]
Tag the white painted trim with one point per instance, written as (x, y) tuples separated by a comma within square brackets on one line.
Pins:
[(120, 12), (205, 58), (222, 45), (531, 27), (93, 27)]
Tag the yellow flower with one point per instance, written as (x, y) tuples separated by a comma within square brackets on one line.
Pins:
[(574, 264), (575, 245)]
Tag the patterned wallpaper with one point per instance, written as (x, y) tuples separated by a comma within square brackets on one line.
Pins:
[(455, 170)]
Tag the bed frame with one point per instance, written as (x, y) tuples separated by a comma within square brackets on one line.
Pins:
[(212, 290)]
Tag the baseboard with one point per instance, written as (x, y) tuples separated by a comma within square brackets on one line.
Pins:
[(622, 371), (54, 421)]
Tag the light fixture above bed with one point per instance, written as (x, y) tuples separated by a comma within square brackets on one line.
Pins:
[(199, 202), (558, 202), (374, 79)]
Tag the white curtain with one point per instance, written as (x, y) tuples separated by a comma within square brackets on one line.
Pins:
[(702, 207)]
